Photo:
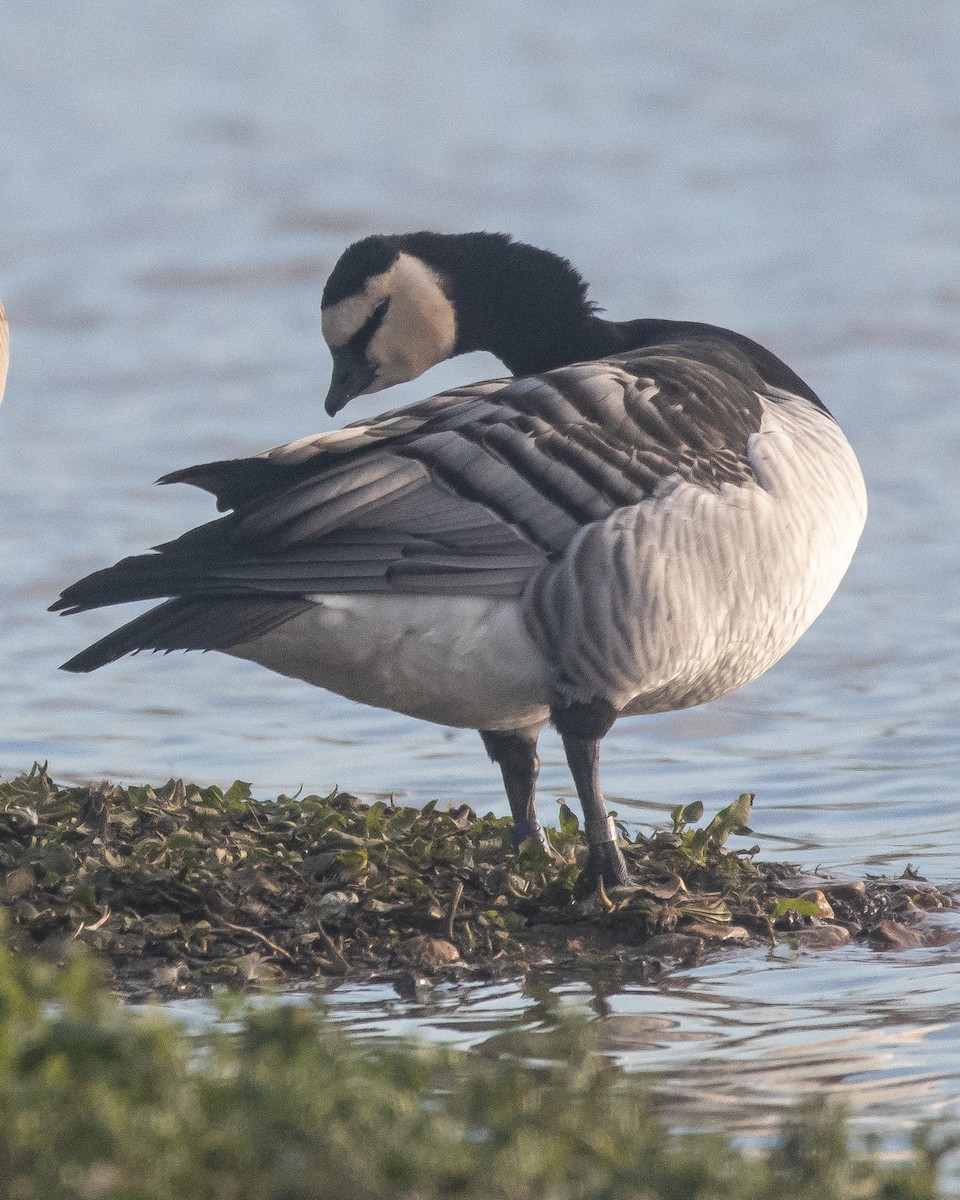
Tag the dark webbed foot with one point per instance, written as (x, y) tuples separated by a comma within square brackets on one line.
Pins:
[(605, 864)]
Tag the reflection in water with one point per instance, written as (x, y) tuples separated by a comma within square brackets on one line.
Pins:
[(733, 1044), (729, 1045), (173, 193)]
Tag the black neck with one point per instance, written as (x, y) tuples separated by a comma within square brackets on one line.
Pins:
[(529, 307)]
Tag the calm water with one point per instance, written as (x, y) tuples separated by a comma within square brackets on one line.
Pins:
[(174, 186)]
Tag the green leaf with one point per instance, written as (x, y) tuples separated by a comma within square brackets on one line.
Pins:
[(686, 814), (806, 908), (353, 860), (692, 812), (569, 823), (695, 842), (374, 820), (533, 856), (237, 793), (732, 819)]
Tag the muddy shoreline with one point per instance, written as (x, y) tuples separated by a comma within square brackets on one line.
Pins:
[(183, 889)]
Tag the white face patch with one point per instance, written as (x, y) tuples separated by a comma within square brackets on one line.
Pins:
[(341, 321), (418, 330)]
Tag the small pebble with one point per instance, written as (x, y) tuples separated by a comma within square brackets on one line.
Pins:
[(892, 935), (19, 880), (718, 932), (429, 953), (335, 905), (823, 904), (673, 947), (821, 937), (852, 891)]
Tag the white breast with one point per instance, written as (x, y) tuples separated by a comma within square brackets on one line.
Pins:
[(695, 592)]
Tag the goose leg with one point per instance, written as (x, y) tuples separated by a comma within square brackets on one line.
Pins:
[(515, 753), (581, 726)]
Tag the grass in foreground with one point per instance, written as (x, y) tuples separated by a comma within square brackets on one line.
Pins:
[(98, 1102), (182, 888)]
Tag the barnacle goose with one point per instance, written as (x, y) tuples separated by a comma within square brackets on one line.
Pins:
[(646, 517)]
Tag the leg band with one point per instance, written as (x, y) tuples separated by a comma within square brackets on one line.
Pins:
[(603, 830)]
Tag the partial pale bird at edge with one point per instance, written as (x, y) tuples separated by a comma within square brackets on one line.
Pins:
[(647, 515), (4, 350)]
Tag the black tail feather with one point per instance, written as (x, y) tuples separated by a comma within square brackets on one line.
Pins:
[(140, 577), (203, 624)]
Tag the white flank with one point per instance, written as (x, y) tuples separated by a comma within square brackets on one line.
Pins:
[(460, 660)]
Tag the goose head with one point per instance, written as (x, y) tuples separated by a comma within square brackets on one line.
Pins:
[(387, 317), (394, 306)]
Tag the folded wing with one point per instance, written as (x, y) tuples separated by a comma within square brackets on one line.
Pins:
[(471, 492)]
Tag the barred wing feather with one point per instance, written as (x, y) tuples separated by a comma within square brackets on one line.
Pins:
[(472, 492)]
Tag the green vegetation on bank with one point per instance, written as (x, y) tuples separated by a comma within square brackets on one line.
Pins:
[(182, 888), (102, 1102)]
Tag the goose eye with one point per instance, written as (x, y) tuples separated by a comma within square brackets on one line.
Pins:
[(361, 339)]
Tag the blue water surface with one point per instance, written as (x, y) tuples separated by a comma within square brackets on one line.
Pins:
[(175, 182)]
